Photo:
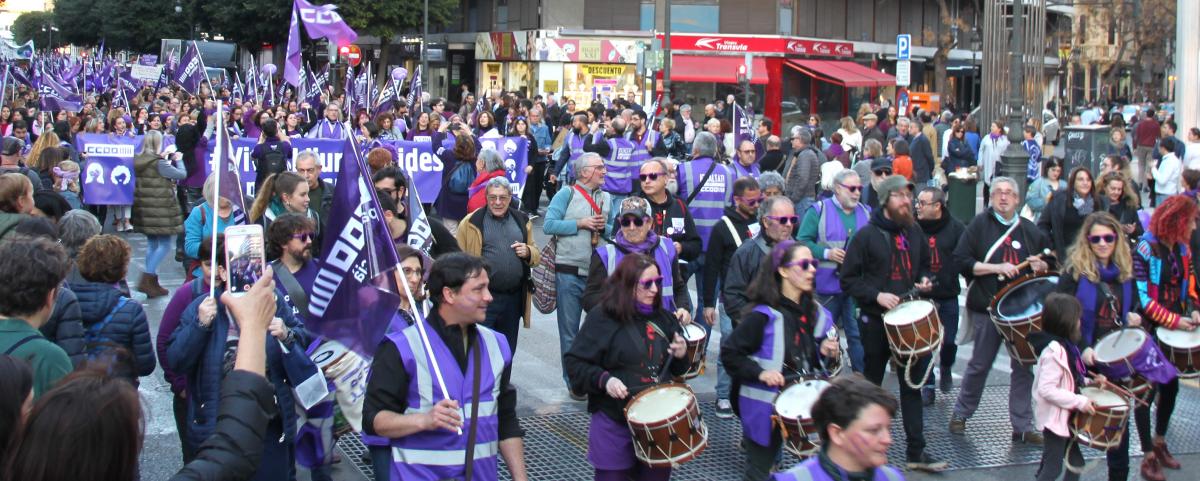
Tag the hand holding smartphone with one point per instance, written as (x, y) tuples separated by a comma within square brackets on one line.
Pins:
[(245, 257)]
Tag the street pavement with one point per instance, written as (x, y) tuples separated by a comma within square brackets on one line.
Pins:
[(538, 379)]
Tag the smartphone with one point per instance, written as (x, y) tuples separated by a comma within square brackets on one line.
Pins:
[(245, 256)]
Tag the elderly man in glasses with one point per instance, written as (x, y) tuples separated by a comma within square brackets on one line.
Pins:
[(778, 222), (827, 228)]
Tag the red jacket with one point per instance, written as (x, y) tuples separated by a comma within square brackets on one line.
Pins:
[(478, 192), (1145, 133)]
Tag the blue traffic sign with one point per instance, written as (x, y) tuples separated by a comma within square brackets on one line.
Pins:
[(904, 47)]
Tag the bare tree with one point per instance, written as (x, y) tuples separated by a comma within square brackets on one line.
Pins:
[(945, 40)]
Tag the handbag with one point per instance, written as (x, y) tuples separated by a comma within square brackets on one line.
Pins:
[(545, 286)]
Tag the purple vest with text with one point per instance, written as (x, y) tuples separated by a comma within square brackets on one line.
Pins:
[(440, 454), (664, 257), (640, 153), (832, 233), (621, 167), (740, 171), (709, 204)]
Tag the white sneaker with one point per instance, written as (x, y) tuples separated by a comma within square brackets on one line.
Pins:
[(724, 409)]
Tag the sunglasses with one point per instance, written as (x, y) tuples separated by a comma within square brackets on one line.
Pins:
[(804, 264), (883, 172), (634, 221), (653, 176), (785, 219), (304, 236), (1107, 238), (852, 188), (655, 281), (751, 201)]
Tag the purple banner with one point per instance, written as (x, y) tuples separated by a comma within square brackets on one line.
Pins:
[(108, 173), (148, 60)]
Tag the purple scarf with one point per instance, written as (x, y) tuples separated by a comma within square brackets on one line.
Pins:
[(1089, 292), (645, 247), (994, 137)]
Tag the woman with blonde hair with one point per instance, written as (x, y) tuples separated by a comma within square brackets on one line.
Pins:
[(852, 138), (155, 209), (1120, 198)]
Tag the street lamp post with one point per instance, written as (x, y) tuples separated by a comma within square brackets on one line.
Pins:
[(1015, 161), (425, 58), (666, 55)]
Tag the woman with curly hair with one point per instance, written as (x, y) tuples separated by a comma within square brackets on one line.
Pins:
[(118, 334), (1120, 198), (1162, 265)]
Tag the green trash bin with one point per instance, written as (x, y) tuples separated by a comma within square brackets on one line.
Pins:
[(962, 198)]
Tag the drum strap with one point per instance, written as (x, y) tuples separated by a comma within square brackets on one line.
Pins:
[(470, 461), (996, 245)]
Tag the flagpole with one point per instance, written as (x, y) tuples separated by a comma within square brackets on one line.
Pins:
[(216, 201)]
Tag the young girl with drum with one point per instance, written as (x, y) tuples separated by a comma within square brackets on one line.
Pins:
[(1059, 378), (782, 296), (624, 347), (1099, 272), (1162, 265)]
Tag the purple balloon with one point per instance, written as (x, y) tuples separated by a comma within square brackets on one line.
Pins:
[(269, 69), (398, 75)]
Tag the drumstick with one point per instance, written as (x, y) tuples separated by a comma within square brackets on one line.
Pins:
[(1025, 263), (1123, 391)]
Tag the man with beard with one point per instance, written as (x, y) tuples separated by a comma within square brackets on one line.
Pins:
[(996, 241), (571, 149), (942, 233), (289, 243), (886, 259), (739, 224)]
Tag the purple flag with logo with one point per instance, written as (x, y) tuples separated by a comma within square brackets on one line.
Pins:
[(56, 96), (320, 21), (414, 92), (190, 73), (742, 130), (108, 173), (354, 295)]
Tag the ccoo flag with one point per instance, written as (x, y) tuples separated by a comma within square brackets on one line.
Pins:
[(189, 74), (742, 130), (320, 21), (354, 295)]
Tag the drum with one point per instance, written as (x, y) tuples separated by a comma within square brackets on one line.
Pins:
[(1017, 311), (1102, 429), (793, 413), (1119, 352), (913, 328), (666, 425), (1182, 348), (695, 336)]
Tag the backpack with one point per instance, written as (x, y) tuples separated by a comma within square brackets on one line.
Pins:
[(103, 351), (462, 177), (274, 161)]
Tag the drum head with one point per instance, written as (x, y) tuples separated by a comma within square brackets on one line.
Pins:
[(1119, 344), (659, 404), (908, 312), (1103, 398), (1025, 299), (692, 332), (1179, 339), (797, 400)]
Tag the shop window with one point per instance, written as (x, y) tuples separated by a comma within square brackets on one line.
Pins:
[(785, 20), (695, 17)]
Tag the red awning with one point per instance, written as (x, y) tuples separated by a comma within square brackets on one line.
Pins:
[(842, 72), (717, 69)]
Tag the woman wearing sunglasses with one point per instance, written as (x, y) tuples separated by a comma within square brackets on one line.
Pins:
[(626, 345), (636, 236), (782, 303)]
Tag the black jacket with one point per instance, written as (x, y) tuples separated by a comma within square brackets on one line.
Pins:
[(1127, 214), (922, 158), (772, 160), (1060, 222), (800, 351), (744, 263), (321, 200), (721, 246), (875, 261), (65, 325), (187, 137), (981, 234), (236, 447), (443, 241), (943, 236), (606, 347), (674, 216)]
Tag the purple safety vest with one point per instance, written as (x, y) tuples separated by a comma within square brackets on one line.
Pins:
[(810, 470), (622, 167), (640, 153), (831, 233), (738, 171), (756, 401), (440, 454), (717, 192), (664, 257)]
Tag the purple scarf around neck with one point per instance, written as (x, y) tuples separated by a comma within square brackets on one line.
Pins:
[(644, 247), (1088, 294)]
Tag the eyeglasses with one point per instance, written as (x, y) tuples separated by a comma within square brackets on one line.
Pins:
[(785, 219), (851, 188), (655, 281), (653, 176), (804, 264), (921, 203), (1107, 238), (304, 236), (498, 198), (750, 201), (882, 171), (410, 272), (631, 220)]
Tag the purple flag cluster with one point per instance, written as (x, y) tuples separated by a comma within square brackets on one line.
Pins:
[(190, 72), (55, 96), (320, 22)]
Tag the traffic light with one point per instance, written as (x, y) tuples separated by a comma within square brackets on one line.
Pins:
[(741, 73)]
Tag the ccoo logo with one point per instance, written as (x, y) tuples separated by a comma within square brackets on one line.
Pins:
[(320, 16)]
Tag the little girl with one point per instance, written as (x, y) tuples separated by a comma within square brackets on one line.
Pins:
[(66, 182), (1059, 376)]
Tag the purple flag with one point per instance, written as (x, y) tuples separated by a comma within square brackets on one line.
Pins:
[(320, 21), (354, 294), (291, 62), (420, 234), (55, 96), (742, 130), (414, 93), (190, 73), (228, 183), (148, 59)]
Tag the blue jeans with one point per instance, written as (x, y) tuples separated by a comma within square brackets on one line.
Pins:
[(841, 307), (569, 311), (157, 248), (723, 380), (947, 310)]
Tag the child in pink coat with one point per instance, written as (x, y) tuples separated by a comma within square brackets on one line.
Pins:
[(1059, 375)]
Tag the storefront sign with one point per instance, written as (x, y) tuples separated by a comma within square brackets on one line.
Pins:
[(776, 45), (603, 70)]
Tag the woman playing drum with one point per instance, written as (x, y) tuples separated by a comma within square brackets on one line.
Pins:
[(1099, 272), (782, 296), (621, 349), (1167, 291)]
